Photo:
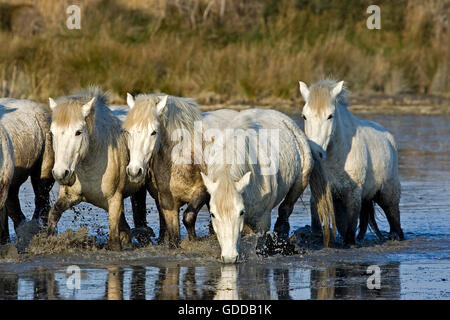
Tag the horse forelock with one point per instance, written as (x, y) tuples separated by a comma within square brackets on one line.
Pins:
[(179, 113), (143, 113), (69, 110), (224, 195), (104, 127), (320, 95)]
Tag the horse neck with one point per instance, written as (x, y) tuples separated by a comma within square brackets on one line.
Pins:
[(98, 140), (341, 140)]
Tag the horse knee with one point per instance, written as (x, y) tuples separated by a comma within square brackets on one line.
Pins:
[(189, 218)]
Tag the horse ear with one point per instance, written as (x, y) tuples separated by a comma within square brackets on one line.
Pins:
[(161, 104), (245, 180), (304, 90), (86, 109), (337, 89), (209, 184), (130, 101), (52, 103)]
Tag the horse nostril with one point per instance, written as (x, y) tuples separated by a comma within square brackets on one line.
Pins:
[(140, 172)]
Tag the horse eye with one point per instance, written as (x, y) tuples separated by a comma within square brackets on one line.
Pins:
[(212, 215), (242, 212), (153, 133), (304, 118), (330, 116), (78, 133)]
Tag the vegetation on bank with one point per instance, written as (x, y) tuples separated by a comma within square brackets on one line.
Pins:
[(215, 50)]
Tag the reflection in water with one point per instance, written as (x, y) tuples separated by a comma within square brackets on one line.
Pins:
[(350, 281), (227, 284), (9, 286), (230, 282), (114, 285), (138, 283)]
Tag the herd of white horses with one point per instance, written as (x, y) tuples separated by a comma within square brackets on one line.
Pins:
[(95, 157)]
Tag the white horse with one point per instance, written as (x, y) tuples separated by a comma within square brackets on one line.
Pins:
[(245, 187), (91, 157), (359, 158), (6, 176), (153, 121), (28, 126)]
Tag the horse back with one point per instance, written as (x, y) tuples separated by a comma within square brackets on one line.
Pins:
[(27, 124)]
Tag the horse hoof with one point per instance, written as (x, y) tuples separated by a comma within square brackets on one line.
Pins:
[(114, 246), (141, 237), (396, 237)]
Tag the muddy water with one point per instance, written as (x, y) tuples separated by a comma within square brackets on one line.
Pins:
[(417, 268)]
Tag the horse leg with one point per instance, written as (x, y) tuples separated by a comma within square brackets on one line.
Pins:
[(139, 208), (64, 201), (162, 222), (285, 209), (190, 214), (170, 211), (366, 211), (389, 202), (210, 226), (124, 229), (42, 181), (41, 188), (117, 222), (13, 206), (4, 230), (352, 209)]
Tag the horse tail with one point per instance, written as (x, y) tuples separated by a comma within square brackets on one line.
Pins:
[(373, 224), (367, 217), (321, 192), (313, 172), (305, 151)]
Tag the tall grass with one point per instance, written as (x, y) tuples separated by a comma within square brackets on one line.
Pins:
[(218, 50)]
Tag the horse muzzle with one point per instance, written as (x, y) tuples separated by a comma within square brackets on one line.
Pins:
[(64, 177), (135, 173)]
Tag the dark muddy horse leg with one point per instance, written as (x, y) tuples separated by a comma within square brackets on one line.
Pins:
[(42, 181), (13, 206), (138, 206), (190, 214), (142, 231), (392, 211), (4, 230), (285, 209), (367, 216), (41, 188)]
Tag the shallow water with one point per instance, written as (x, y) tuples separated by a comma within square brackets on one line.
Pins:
[(417, 268)]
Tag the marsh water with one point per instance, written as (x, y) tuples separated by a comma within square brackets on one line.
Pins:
[(417, 268)]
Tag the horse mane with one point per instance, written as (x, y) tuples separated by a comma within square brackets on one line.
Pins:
[(227, 188), (68, 110), (229, 173), (319, 94), (179, 113)]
